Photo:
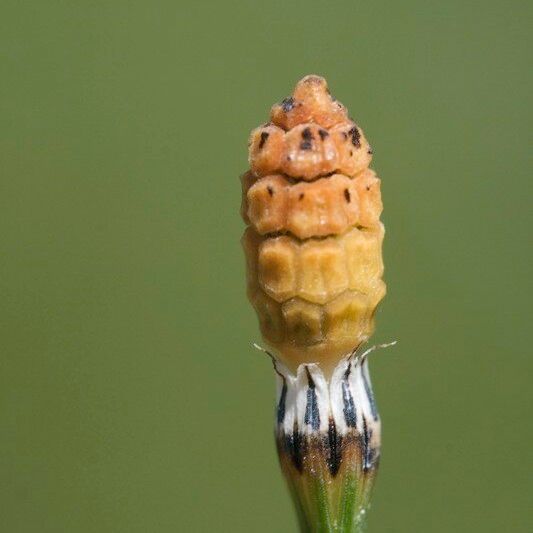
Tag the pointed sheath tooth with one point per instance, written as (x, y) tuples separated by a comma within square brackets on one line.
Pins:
[(312, 402), (282, 404), (285, 399), (342, 398), (312, 411), (369, 425), (282, 387), (365, 374), (359, 395)]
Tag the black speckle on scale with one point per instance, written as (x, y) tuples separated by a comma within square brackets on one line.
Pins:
[(307, 134), (263, 140), (287, 104), (356, 136), (347, 195)]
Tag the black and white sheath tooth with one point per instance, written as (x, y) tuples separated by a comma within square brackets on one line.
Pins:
[(312, 413), (280, 415), (368, 389), (349, 410)]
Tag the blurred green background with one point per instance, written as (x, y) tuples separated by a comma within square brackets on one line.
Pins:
[(130, 397)]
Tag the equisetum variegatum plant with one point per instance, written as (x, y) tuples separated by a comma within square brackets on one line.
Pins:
[(314, 268)]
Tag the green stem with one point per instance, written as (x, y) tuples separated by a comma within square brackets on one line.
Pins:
[(348, 505), (323, 506)]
